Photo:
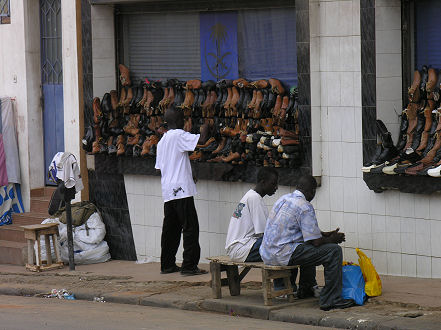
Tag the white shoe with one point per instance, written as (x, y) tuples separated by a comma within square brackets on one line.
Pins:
[(390, 169), (435, 172), (367, 169)]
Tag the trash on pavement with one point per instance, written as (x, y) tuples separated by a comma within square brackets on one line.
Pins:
[(60, 294), (99, 299)]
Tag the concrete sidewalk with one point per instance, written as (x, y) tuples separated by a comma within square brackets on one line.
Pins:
[(406, 303)]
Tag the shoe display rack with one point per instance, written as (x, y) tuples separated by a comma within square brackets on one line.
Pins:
[(241, 122), (416, 157)]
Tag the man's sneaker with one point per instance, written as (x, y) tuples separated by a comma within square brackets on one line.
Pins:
[(343, 303), (191, 272), (173, 269)]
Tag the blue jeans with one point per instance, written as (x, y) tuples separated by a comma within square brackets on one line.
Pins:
[(254, 255)]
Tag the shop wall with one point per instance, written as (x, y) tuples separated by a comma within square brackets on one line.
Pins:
[(215, 203), (103, 50), (20, 79)]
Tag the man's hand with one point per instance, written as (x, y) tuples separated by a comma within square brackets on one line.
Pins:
[(329, 233), (337, 237), (329, 237)]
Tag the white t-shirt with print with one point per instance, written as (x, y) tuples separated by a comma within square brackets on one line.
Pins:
[(248, 220), (172, 159)]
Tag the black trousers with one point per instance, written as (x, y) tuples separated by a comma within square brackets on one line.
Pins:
[(180, 217), (331, 257)]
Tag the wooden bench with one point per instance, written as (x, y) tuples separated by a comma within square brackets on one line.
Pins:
[(32, 234), (223, 263)]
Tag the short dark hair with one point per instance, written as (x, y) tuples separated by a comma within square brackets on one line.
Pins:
[(266, 172), (306, 183), (172, 114)]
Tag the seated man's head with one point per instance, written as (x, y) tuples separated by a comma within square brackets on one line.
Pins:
[(174, 117), (307, 185), (267, 181)]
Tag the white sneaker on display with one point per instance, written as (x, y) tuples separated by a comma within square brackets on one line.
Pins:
[(435, 172), (390, 169)]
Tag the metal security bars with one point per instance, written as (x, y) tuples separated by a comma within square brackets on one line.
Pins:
[(51, 59)]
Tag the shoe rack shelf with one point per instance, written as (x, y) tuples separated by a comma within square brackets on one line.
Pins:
[(105, 164), (408, 184)]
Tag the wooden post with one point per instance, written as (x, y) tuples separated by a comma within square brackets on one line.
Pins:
[(48, 250), (216, 287), (266, 287), (233, 280)]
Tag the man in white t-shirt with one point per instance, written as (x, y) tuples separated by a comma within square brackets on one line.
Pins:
[(248, 221), (178, 189)]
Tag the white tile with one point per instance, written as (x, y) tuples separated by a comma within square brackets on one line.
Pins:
[(422, 237), (357, 89), (408, 244), (314, 53), (356, 51), (337, 221), (323, 194), (324, 124), (407, 205), (394, 263), (316, 123), (347, 60), (388, 18), (424, 267), (224, 221), (435, 234), (379, 260), (388, 88), (128, 183), (103, 68), (103, 48), (393, 224), (350, 222), (349, 160), (324, 220), (336, 198), (148, 211), (203, 215), (214, 246), (325, 158), (408, 265), (101, 12), (378, 204), (214, 191), (331, 23), (436, 267), (388, 41), (202, 187), (344, 17), (323, 82), (138, 216), (422, 208), (388, 111), (204, 242), (103, 28), (378, 224), (364, 223), (332, 50), (392, 199), (104, 84), (363, 197), (213, 216), (335, 159), (333, 89), (347, 89), (365, 241), (139, 239), (388, 65), (435, 207), (379, 241), (335, 124), (393, 242), (316, 158), (150, 241), (407, 225), (350, 255), (356, 17), (224, 191), (348, 124), (350, 195)]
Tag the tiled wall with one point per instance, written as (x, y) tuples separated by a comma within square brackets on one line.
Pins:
[(215, 203), (388, 59)]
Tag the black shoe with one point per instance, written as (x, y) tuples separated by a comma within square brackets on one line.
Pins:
[(173, 269), (303, 293), (343, 303), (191, 272)]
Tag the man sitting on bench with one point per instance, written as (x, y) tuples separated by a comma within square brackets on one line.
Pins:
[(249, 219), (292, 237)]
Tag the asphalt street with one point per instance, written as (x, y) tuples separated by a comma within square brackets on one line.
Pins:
[(19, 313)]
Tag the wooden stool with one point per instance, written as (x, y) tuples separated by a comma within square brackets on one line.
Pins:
[(32, 234)]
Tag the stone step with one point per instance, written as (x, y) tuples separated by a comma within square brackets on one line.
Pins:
[(40, 205), (14, 253), (12, 233), (43, 191)]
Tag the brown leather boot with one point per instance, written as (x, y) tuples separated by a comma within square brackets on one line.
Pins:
[(227, 103), (288, 141), (234, 101), (427, 126), (97, 113), (232, 156), (146, 146), (282, 113), (241, 83), (256, 109), (411, 113), (414, 90), (143, 100), (127, 100), (122, 97), (187, 124), (277, 107), (132, 140), (252, 103), (132, 126), (276, 86), (193, 84), (124, 75), (262, 83), (220, 146), (114, 99)]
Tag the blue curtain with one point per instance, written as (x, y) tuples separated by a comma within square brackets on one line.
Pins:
[(267, 44), (428, 36)]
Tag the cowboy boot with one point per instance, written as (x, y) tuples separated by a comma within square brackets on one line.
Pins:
[(97, 113), (256, 109), (276, 86), (252, 103), (402, 137), (220, 146), (427, 126), (260, 84), (122, 97), (413, 91), (411, 113), (149, 102), (128, 99), (193, 84), (277, 107), (234, 101), (143, 100), (282, 114), (124, 75)]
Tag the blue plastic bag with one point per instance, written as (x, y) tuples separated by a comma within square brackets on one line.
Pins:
[(353, 284)]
